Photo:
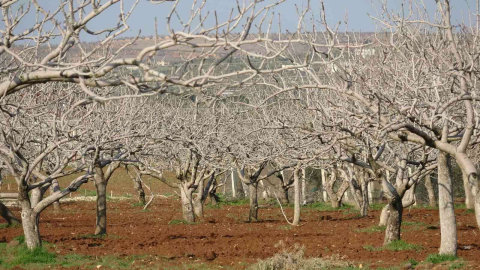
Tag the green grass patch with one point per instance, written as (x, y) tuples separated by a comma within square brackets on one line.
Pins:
[(413, 223), (413, 263), (213, 206), (101, 236), (398, 245), (372, 229), (371, 248), (414, 226), (138, 204), (180, 221), (325, 207), (38, 255), (376, 206), (284, 227), (88, 193), (238, 202), (468, 212), (22, 256), (20, 239), (424, 206), (73, 260), (456, 265), (439, 258)]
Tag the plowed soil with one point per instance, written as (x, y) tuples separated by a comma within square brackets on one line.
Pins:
[(223, 238)]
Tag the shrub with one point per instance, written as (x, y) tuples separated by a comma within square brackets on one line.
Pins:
[(293, 258), (439, 258)]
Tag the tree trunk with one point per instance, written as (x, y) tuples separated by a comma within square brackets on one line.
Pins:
[(469, 199), (137, 183), (324, 185), (36, 196), (8, 215), (54, 187), (101, 223), (448, 227), (335, 203), (30, 225), (430, 190), (198, 208), (304, 187), (384, 215), (285, 199), (237, 186), (197, 201), (296, 186), (394, 222), (365, 202), (213, 198), (187, 203), (252, 191)]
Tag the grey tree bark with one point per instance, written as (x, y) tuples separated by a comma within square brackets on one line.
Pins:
[(36, 196), (431, 192), (469, 198), (252, 192), (101, 181), (237, 186), (187, 202), (101, 220), (30, 226), (448, 226), (137, 183), (296, 212), (394, 221), (304, 187), (55, 187), (197, 200), (384, 215), (335, 196)]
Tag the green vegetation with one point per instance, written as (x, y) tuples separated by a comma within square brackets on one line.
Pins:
[(414, 226), (376, 206), (325, 207), (399, 245), (88, 193), (102, 236), (293, 258), (372, 229), (439, 258), (424, 206), (21, 255), (456, 265), (468, 212), (138, 204), (413, 223), (234, 202), (180, 221), (285, 227), (213, 206), (42, 258), (413, 262), (6, 225)]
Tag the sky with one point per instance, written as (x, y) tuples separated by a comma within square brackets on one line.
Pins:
[(143, 17)]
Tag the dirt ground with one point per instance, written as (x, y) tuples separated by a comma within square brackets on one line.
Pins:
[(224, 240), (234, 242)]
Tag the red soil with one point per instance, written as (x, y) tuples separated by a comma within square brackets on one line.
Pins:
[(224, 238)]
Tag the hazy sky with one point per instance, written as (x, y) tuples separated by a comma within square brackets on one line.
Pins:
[(357, 10)]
